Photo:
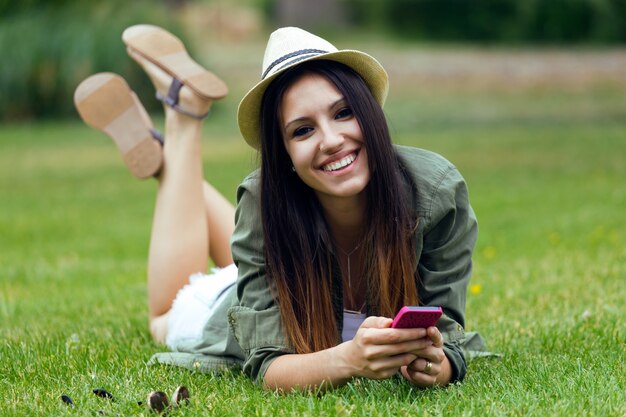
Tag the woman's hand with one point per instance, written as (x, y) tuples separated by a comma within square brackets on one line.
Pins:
[(431, 366), (378, 351)]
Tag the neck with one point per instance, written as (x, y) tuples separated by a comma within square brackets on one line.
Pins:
[(346, 220)]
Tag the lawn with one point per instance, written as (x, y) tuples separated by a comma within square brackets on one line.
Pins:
[(546, 172)]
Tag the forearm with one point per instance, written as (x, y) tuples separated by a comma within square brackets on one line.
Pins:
[(308, 371), (376, 352)]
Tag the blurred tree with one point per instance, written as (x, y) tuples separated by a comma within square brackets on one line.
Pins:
[(526, 21), (53, 45), (176, 4), (307, 13)]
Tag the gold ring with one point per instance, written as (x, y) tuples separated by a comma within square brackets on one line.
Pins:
[(428, 367)]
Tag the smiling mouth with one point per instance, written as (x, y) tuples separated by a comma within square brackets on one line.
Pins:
[(342, 163)]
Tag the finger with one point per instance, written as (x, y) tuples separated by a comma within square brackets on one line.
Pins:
[(419, 378), (386, 367), (373, 351), (392, 336), (391, 362), (408, 334), (431, 353), (435, 335), (388, 336), (375, 322), (427, 350), (424, 366)]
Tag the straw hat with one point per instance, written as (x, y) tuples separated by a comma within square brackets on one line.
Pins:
[(290, 46)]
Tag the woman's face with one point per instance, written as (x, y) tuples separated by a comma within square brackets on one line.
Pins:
[(323, 138)]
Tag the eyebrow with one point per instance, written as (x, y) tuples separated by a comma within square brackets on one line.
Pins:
[(299, 119)]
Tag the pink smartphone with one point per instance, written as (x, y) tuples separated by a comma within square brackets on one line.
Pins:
[(416, 317)]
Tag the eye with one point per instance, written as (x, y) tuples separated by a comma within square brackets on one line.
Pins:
[(344, 113), (301, 131)]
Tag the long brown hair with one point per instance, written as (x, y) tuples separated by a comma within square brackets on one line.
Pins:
[(298, 246)]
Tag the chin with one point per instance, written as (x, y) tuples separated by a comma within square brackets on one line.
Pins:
[(355, 187)]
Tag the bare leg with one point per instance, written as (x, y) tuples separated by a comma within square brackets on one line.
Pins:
[(179, 242), (220, 215), (187, 207), (168, 275)]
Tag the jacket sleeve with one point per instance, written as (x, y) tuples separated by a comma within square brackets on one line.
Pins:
[(255, 322), (445, 265)]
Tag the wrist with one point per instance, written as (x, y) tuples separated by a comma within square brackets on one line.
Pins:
[(340, 362), (446, 372)]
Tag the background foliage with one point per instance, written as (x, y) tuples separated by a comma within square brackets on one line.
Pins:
[(49, 47), (498, 21)]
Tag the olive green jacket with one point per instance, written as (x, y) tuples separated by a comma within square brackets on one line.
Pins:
[(246, 331)]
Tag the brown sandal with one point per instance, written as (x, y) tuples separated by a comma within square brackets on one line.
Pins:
[(166, 51), (106, 102)]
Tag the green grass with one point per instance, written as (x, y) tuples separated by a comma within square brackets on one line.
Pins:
[(547, 181)]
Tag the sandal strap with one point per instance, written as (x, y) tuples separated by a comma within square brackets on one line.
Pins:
[(156, 135), (172, 100)]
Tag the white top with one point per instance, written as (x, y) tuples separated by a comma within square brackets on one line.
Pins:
[(351, 323)]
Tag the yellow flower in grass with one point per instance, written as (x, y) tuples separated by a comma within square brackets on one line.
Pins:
[(554, 238), (475, 289), (489, 252), (598, 234)]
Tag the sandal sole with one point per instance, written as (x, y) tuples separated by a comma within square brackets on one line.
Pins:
[(106, 103), (168, 52)]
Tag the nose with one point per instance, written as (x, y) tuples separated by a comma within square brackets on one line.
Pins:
[(331, 140)]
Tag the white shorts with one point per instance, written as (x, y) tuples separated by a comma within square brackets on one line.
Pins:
[(195, 303)]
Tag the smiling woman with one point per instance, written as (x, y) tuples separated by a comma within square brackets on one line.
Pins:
[(328, 159), (332, 236)]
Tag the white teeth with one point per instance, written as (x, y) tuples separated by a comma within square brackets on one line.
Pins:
[(340, 164)]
